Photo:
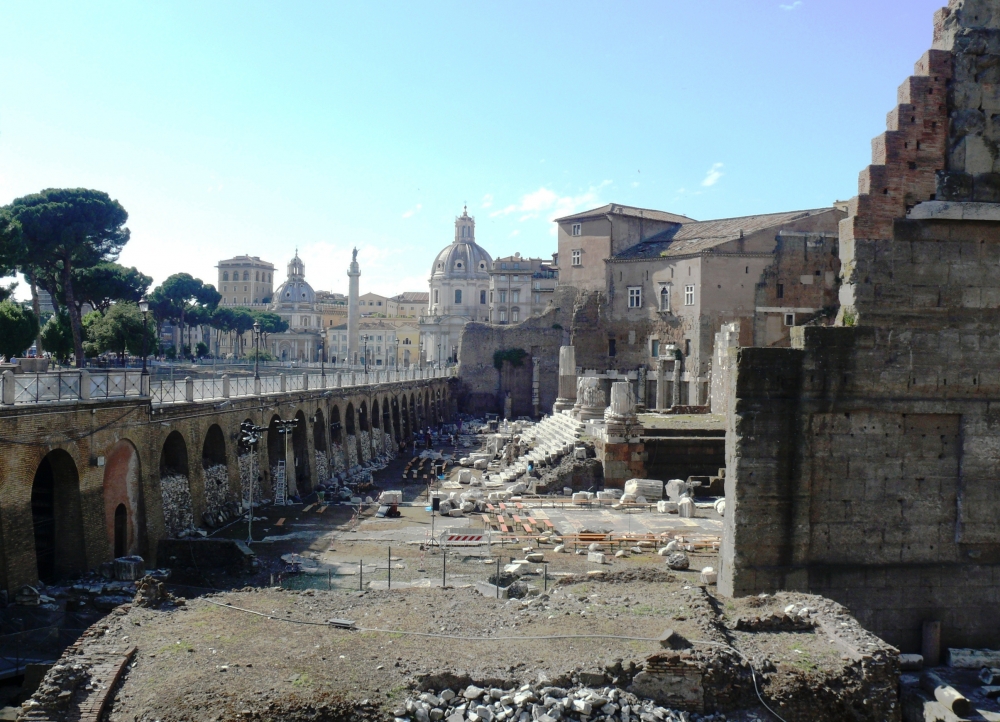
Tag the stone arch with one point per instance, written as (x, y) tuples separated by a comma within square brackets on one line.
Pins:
[(122, 491), (387, 419), (216, 466), (175, 487), (300, 451), (363, 416), (337, 459), (376, 421), (427, 408), (414, 419), (57, 517), (319, 430)]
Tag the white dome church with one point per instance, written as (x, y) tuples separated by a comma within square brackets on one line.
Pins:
[(459, 290)]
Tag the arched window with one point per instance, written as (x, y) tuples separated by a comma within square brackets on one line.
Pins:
[(665, 298), (435, 295), (257, 275), (246, 275), (515, 315), (269, 278), (458, 295), (225, 275), (503, 315)]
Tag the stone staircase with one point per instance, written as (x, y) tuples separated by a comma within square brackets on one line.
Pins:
[(547, 441)]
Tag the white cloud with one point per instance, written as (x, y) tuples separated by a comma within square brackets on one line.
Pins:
[(514, 233), (793, 6), (713, 175), (413, 211), (487, 200), (635, 184)]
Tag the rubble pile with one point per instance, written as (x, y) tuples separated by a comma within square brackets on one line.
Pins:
[(51, 699), (571, 473), (322, 467), (351, 447), (178, 516), (535, 703), (151, 592), (216, 488), (365, 440), (337, 462), (246, 471)]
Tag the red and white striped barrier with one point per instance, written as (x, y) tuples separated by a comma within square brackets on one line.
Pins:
[(453, 539)]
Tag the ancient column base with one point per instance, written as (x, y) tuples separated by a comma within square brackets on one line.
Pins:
[(561, 405)]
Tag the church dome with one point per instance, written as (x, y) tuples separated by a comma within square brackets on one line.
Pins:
[(295, 289), (464, 259)]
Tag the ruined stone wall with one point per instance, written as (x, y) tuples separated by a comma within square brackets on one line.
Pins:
[(862, 462), (803, 280)]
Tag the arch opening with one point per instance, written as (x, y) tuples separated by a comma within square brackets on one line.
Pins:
[(57, 517), (175, 488), (300, 452), (122, 472)]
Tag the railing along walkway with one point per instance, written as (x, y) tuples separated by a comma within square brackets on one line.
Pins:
[(84, 385)]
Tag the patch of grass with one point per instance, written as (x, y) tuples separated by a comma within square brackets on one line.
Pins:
[(397, 692), (304, 680)]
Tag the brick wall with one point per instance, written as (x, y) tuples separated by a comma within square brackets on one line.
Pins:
[(106, 453)]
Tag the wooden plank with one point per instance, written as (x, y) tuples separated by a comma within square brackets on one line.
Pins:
[(491, 508), (527, 527), (517, 519), (519, 505), (503, 528), (548, 524), (503, 507), (486, 519), (532, 520), (308, 508), (321, 510), (281, 522)]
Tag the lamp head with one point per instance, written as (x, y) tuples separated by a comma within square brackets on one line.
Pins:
[(144, 305), (256, 327)]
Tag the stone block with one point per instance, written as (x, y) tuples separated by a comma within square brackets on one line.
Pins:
[(596, 557)]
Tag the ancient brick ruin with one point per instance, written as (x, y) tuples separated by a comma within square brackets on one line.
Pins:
[(862, 462)]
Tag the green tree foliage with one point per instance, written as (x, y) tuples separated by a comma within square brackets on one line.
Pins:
[(107, 283), (57, 336), (120, 331), (200, 349), (182, 296), (263, 354), (18, 329), (63, 229)]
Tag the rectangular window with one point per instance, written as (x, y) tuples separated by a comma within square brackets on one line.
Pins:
[(503, 315), (515, 315), (789, 319), (665, 298), (781, 290), (538, 298), (577, 257), (482, 297), (687, 347), (577, 229), (655, 348), (515, 295), (689, 295), (503, 297), (635, 296), (611, 347), (538, 285), (491, 296)]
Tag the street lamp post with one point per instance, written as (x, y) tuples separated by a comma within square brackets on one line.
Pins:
[(285, 427), (256, 351), (364, 345), (251, 438), (144, 307), (322, 366)]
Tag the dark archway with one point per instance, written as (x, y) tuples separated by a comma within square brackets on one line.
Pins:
[(300, 449), (57, 517), (427, 409), (414, 419), (213, 451), (387, 419), (319, 431), (376, 421), (121, 531), (349, 420), (363, 416), (174, 458)]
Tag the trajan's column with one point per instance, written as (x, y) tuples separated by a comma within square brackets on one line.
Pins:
[(353, 273)]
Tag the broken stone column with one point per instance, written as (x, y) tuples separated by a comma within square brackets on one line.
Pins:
[(675, 386), (662, 398), (590, 401), (567, 380), (640, 396), (622, 400)]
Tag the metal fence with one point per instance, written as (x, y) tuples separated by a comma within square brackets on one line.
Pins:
[(63, 386)]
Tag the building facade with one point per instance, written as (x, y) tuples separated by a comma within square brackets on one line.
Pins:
[(295, 302), (459, 292), (520, 287), (245, 281)]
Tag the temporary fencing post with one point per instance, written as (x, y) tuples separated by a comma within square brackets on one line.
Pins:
[(361, 575), (390, 567), (497, 577)]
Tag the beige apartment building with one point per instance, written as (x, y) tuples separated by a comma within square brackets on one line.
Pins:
[(521, 287), (409, 304), (586, 239), (245, 281)]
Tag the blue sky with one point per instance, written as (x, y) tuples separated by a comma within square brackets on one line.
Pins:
[(249, 127)]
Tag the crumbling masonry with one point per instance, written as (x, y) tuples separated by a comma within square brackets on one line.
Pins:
[(863, 463)]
